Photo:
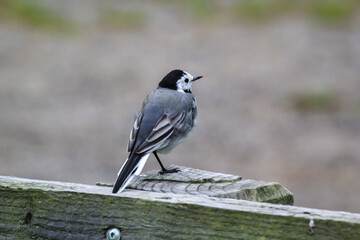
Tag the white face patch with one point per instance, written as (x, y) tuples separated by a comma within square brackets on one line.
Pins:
[(184, 83)]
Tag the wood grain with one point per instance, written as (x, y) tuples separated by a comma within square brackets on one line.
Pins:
[(33, 209), (212, 184)]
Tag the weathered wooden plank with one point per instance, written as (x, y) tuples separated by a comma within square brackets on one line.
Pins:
[(200, 182), (33, 209)]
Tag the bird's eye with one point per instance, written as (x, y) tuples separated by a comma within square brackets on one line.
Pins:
[(186, 80)]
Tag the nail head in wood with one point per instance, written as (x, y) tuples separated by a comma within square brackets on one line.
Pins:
[(113, 234)]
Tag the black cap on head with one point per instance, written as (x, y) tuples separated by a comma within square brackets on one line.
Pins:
[(169, 81)]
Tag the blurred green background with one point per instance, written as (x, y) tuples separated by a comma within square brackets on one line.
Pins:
[(279, 100)]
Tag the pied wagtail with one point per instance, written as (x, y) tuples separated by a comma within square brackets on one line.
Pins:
[(167, 116)]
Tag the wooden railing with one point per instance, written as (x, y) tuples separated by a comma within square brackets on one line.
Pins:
[(192, 204)]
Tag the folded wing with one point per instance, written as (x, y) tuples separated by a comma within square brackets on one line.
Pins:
[(144, 140), (163, 129)]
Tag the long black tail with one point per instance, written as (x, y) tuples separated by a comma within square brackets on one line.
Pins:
[(132, 166)]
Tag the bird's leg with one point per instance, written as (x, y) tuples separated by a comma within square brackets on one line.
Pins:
[(163, 169), (158, 159)]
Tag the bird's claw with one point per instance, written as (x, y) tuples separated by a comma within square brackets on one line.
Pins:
[(171, 170)]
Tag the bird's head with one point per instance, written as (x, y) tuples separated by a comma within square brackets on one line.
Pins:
[(178, 80)]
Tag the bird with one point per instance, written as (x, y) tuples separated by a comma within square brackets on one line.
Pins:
[(167, 116)]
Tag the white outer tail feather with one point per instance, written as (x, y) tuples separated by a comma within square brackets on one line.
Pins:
[(139, 167)]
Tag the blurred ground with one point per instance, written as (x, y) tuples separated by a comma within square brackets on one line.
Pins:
[(279, 100)]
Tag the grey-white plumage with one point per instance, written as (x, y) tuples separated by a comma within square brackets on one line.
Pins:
[(167, 116)]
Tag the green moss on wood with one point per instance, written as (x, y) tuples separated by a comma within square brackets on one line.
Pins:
[(76, 215)]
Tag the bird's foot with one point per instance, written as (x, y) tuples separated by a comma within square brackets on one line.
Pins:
[(170, 170)]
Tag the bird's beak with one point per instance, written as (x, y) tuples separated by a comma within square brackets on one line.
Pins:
[(196, 78)]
